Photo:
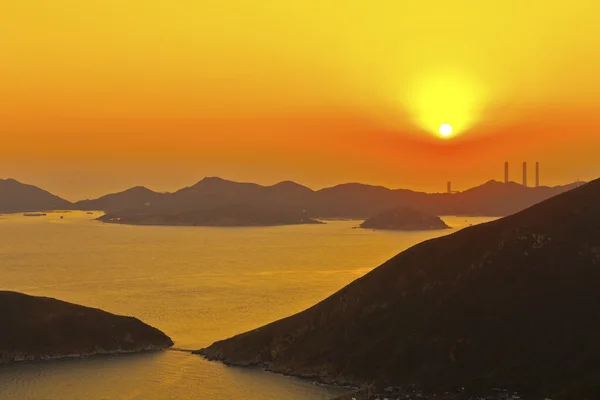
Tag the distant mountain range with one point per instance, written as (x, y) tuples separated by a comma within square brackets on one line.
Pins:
[(350, 200), (511, 304)]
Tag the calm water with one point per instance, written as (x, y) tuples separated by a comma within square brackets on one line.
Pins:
[(196, 284)]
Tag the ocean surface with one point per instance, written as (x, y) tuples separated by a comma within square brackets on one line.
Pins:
[(196, 284)]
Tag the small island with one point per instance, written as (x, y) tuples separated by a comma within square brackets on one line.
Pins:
[(230, 215), (404, 219), (42, 328)]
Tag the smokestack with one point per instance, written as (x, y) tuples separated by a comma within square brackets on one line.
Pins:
[(537, 174), (506, 172), (449, 187), (525, 173)]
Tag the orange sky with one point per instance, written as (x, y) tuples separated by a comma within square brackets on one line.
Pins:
[(98, 96)]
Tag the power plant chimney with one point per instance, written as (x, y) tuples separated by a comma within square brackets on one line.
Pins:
[(506, 172), (525, 173), (449, 187), (537, 174)]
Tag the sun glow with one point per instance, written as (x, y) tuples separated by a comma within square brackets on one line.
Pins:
[(445, 129), (442, 97)]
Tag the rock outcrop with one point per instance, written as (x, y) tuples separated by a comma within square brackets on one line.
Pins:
[(42, 328)]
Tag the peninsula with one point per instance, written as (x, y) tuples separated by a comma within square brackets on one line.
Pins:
[(42, 328)]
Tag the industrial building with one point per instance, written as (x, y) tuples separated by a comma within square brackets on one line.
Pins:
[(507, 178), (524, 182)]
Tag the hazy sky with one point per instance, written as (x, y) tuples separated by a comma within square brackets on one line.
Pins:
[(98, 96)]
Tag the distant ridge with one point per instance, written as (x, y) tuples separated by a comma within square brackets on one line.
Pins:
[(192, 205), (349, 200)]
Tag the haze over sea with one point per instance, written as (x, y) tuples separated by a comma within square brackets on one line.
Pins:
[(197, 284)]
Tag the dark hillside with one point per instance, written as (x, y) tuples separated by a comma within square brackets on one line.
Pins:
[(514, 303), (19, 197)]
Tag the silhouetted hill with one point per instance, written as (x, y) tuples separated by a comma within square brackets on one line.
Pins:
[(405, 219), (290, 188), (40, 328), (137, 197), (288, 195), (213, 192), (356, 200), (217, 189), (19, 197), (513, 303), (227, 215)]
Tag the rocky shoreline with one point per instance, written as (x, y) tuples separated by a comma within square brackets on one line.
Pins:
[(360, 391), (396, 393), (6, 358)]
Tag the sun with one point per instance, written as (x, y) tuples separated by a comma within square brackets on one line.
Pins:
[(445, 129), (444, 96)]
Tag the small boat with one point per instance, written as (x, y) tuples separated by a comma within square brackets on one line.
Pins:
[(34, 214)]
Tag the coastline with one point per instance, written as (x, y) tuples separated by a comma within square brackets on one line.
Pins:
[(116, 222), (19, 358), (370, 391)]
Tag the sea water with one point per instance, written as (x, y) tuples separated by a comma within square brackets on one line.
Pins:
[(197, 284)]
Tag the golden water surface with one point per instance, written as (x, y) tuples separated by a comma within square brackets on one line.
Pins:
[(197, 284)]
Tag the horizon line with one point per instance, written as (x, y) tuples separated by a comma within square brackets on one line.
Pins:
[(296, 183)]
